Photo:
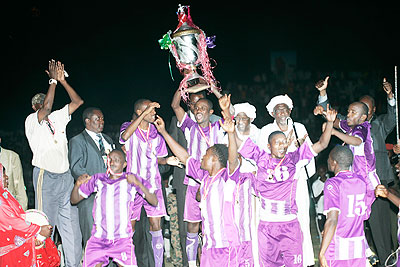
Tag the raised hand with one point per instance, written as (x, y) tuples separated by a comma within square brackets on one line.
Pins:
[(290, 138), (322, 84), (174, 161), (300, 141), (60, 71), (387, 87), (52, 71), (319, 110), (225, 101), (330, 114), (160, 124), (151, 107), (228, 125)]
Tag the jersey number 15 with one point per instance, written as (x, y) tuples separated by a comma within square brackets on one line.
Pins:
[(356, 205)]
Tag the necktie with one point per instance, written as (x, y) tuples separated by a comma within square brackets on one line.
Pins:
[(101, 144)]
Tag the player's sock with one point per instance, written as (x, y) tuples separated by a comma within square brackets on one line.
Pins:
[(157, 242), (192, 244)]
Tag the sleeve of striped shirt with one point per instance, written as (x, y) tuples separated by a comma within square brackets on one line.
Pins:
[(193, 169), (331, 196), (343, 126), (161, 148), (86, 189), (250, 150), (121, 130), (186, 123), (361, 131)]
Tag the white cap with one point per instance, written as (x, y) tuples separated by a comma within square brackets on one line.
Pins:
[(279, 99), (246, 108)]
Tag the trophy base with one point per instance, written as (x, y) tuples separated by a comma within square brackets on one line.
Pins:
[(197, 88)]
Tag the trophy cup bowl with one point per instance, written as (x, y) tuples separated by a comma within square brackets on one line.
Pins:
[(185, 40)]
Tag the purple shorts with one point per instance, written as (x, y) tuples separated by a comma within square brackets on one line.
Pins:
[(280, 243), (151, 211), (348, 263), (192, 211), (211, 257), (99, 250), (245, 257)]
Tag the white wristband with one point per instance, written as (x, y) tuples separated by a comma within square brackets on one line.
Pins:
[(52, 81)]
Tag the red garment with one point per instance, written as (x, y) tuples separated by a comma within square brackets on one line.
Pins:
[(17, 236), (47, 256)]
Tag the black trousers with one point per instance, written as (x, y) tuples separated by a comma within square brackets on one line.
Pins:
[(380, 227)]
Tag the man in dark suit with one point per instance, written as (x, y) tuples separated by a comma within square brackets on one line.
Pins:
[(88, 155)]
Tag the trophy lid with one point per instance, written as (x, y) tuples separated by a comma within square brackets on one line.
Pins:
[(185, 25)]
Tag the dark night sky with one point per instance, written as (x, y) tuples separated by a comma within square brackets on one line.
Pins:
[(111, 51)]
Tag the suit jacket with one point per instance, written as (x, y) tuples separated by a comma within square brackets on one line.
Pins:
[(85, 157), (381, 127), (16, 184)]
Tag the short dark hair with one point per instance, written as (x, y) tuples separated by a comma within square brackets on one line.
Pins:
[(370, 98), (364, 108), (88, 113), (221, 151), (209, 103), (342, 155), (271, 135), (138, 104), (119, 152)]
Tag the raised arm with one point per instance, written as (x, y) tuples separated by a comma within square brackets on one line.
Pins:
[(323, 141), (389, 119), (218, 95), (49, 99), (176, 106), (225, 104), (175, 147), (233, 155), (76, 100), (133, 126), (323, 101), (350, 140)]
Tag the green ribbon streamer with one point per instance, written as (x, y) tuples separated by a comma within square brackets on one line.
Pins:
[(165, 42)]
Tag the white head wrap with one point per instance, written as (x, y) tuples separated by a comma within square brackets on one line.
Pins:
[(246, 108), (279, 99)]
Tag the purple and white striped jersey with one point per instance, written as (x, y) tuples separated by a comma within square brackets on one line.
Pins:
[(199, 139), (276, 181), (241, 193), (111, 208), (217, 211), (142, 150), (364, 155), (347, 193)]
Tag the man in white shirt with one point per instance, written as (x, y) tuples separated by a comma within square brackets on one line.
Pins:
[(52, 180), (280, 108)]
